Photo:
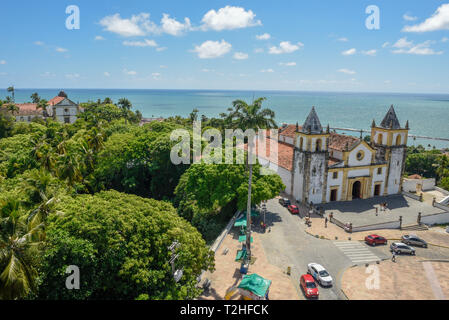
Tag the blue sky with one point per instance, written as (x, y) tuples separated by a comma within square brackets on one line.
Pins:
[(307, 45)]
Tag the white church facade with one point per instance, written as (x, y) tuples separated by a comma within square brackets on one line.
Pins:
[(320, 166)]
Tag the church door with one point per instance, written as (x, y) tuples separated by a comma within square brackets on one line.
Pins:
[(356, 190)]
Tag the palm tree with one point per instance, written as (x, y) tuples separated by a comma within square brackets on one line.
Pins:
[(42, 104), (19, 242), (35, 97), (12, 90), (125, 105), (249, 116), (12, 108)]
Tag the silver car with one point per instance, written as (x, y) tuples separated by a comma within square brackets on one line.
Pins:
[(414, 240), (400, 248)]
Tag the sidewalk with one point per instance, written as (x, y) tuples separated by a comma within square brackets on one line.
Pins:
[(227, 272), (432, 236), (408, 279)]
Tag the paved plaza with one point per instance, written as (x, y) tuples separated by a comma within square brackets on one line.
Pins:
[(362, 212)]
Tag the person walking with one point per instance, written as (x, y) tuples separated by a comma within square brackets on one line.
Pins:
[(393, 257), (325, 222)]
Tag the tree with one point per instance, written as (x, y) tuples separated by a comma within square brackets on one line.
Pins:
[(19, 241), (12, 90), (35, 97), (125, 105), (121, 244), (42, 104), (250, 116)]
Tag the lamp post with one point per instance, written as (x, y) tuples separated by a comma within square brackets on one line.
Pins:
[(177, 274)]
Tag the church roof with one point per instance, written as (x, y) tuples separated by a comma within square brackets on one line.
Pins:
[(289, 130), (390, 120), (340, 141), (312, 124)]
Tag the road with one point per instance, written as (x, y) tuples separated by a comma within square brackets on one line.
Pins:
[(287, 244)]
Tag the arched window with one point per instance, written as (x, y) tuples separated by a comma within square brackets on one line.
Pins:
[(398, 139), (379, 138), (318, 145), (301, 142)]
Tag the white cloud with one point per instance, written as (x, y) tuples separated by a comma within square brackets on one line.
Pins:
[(408, 47), (349, 52), (264, 36), (174, 27), (138, 25), (240, 56), (2, 61), (107, 74), (161, 49), (267, 70), (229, 18), (144, 43), (286, 47), (347, 71), (343, 39), (99, 38), (287, 64), (371, 52), (156, 75), (129, 72), (163, 66), (445, 39), (207, 70), (386, 44), (61, 50), (407, 17), (403, 43), (48, 74), (38, 43), (438, 21), (212, 49), (72, 76), (258, 50)]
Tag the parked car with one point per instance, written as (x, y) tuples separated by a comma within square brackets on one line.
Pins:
[(308, 286), (284, 201), (293, 209), (400, 248), (374, 239), (413, 240), (319, 274)]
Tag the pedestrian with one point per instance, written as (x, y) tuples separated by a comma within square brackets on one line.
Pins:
[(325, 222), (377, 209), (393, 257)]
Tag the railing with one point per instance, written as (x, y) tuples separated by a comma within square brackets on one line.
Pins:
[(411, 195)]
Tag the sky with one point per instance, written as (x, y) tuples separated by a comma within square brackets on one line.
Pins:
[(231, 45)]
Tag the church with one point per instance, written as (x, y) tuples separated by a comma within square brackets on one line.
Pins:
[(320, 166)]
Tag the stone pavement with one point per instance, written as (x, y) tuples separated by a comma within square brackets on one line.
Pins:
[(227, 272), (410, 278), (362, 212), (433, 236)]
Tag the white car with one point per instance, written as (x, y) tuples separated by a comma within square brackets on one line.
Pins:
[(319, 274)]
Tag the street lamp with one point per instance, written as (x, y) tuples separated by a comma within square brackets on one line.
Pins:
[(177, 274)]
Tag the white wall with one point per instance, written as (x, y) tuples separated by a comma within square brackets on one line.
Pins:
[(378, 178), (352, 159), (409, 185), (436, 218), (298, 178), (331, 182), (394, 175), (358, 173), (316, 180), (384, 136)]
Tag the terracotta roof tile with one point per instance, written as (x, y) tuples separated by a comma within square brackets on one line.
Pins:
[(415, 176), (284, 157), (333, 161), (28, 109), (289, 130), (55, 100), (339, 141)]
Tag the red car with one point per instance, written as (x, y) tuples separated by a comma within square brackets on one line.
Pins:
[(309, 286), (293, 209), (374, 239)]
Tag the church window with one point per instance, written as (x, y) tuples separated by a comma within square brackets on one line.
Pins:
[(335, 175), (301, 141), (360, 155), (318, 145), (379, 138), (379, 170), (398, 139)]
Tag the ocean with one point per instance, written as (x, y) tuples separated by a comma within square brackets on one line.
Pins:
[(428, 114)]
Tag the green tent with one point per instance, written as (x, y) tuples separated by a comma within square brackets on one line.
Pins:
[(240, 222), (243, 239), (254, 213), (255, 284)]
